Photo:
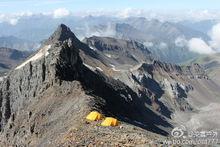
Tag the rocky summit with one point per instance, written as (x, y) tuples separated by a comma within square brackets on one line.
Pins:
[(45, 99)]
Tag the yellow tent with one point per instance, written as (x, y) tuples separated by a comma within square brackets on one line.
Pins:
[(94, 115), (109, 121)]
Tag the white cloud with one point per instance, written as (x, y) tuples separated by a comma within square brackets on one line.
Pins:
[(107, 31), (180, 42), (165, 15), (215, 36), (162, 15), (13, 21), (162, 45), (199, 46), (149, 44), (128, 12), (14, 18), (24, 14), (61, 12)]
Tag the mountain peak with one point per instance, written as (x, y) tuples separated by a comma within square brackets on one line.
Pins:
[(62, 28), (62, 33)]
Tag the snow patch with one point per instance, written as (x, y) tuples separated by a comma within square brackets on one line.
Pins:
[(113, 67), (108, 55), (90, 67), (182, 86), (92, 48), (42, 52), (99, 68)]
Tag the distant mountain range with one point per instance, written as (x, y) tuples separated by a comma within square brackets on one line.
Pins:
[(16, 43), (162, 43), (203, 26), (163, 31), (9, 58), (160, 37)]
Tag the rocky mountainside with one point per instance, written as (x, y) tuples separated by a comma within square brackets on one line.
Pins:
[(9, 58), (44, 100), (187, 92), (171, 90), (52, 91), (121, 51)]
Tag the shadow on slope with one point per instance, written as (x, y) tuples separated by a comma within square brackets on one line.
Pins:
[(114, 98)]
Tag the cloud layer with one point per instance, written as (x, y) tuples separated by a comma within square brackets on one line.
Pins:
[(181, 41), (13, 18), (199, 46), (61, 12), (162, 15), (194, 44)]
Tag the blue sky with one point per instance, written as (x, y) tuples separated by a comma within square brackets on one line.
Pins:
[(36, 6)]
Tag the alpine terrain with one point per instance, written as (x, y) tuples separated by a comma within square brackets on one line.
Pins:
[(45, 99)]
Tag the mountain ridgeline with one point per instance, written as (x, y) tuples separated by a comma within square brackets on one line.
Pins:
[(48, 96)]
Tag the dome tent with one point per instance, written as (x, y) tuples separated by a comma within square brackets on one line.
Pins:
[(109, 121), (94, 116)]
